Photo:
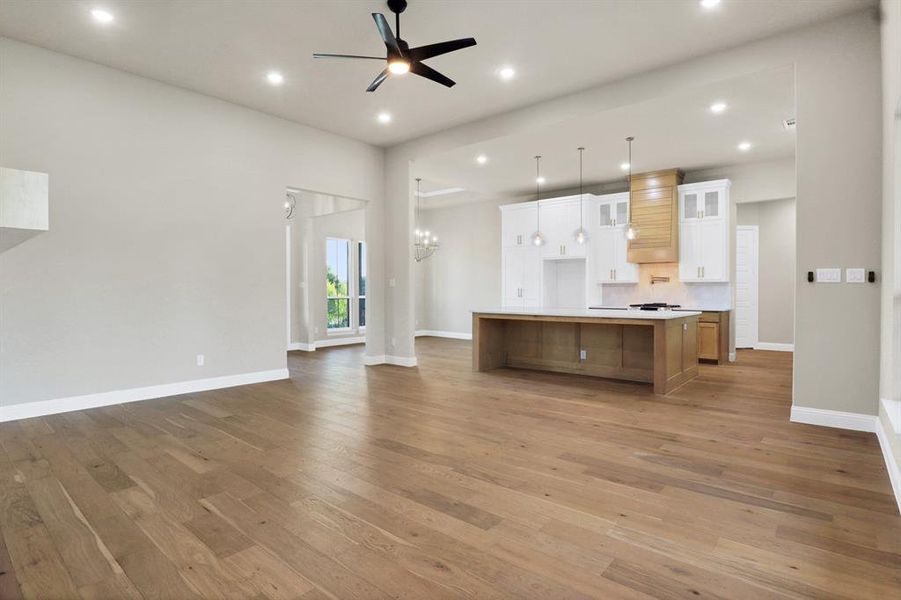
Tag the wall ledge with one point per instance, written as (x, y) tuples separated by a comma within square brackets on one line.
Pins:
[(27, 410)]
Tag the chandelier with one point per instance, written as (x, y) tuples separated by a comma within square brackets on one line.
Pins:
[(424, 243)]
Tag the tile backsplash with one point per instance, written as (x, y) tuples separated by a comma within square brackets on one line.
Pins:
[(711, 296)]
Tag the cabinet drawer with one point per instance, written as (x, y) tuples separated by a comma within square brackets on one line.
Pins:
[(709, 317)]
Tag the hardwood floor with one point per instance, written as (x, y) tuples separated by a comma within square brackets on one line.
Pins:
[(438, 482)]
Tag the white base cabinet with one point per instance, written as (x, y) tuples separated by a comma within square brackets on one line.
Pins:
[(704, 217)]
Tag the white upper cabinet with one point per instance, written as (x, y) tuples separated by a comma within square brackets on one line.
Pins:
[(521, 277), (609, 246), (704, 231), (559, 222), (518, 223)]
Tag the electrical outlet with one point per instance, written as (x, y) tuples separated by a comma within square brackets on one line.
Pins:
[(392, 282), (200, 360), (583, 354), (394, 342), (856, 275), (830, 275)]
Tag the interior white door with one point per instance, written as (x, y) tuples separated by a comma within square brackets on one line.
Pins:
[(746, 276)]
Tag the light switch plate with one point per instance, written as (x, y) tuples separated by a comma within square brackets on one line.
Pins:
[(855, 275), (830, 275)]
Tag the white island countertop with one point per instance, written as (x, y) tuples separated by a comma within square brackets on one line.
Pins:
[(658, 315)]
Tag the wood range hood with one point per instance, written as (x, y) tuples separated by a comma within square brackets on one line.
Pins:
[(655, 214)]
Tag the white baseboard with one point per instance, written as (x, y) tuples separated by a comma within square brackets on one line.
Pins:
[(385, 359), (732, 357), (774, 346), (454, 335), (301, 346), (891, 464), (340, 341), (892, 408), (27, 410), (834, 418)]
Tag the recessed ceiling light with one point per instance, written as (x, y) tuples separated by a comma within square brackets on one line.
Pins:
[(275, 78), (506, 73), (102, 16), (709, 3), (540, 180), (624, 166), (718, 107), (384, 117), (481, 159), (744, 146)]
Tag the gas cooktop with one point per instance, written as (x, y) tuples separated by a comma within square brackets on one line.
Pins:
[(644, 306)]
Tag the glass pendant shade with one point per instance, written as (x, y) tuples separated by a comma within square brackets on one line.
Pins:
[(631, 230), (537, 237), (580, 235)]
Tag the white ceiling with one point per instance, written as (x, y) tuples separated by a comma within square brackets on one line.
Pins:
[(224, 48), (678, 130)]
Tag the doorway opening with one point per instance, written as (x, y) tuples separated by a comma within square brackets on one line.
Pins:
[(326, 270)]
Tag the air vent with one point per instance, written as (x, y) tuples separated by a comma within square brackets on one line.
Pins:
[(789, 124)]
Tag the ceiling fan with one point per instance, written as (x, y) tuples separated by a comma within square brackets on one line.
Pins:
[(401, 58)]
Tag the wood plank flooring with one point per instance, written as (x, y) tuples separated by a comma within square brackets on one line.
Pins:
[(438, 482)]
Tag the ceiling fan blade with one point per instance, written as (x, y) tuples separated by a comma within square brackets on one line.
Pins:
[(321, 55), (378, 81), (387, 36), (430, 73), (424, 52)]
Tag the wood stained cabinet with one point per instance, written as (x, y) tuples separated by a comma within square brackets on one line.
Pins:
[(713, 336), (655, 214)]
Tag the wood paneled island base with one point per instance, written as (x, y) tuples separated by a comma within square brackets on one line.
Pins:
[(648, 347)]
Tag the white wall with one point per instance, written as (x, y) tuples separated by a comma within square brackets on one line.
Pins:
[(465, 272), (167, 233), (775, 221), (837, 73)]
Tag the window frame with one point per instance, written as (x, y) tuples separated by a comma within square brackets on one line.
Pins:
[(361, 274), (350, 291)]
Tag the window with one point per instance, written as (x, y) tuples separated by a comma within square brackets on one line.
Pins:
[(361, 284), (337, 275)]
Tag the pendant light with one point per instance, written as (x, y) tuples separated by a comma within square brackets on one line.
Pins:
[(424, 243), (580, 235), (537, 237), (631, 229)]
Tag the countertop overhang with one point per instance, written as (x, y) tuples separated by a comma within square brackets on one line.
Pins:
[(592, 313)]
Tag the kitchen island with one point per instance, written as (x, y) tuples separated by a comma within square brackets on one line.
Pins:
[(653, 347)]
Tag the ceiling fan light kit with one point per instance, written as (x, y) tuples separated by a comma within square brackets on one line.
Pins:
[(402, 59)]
